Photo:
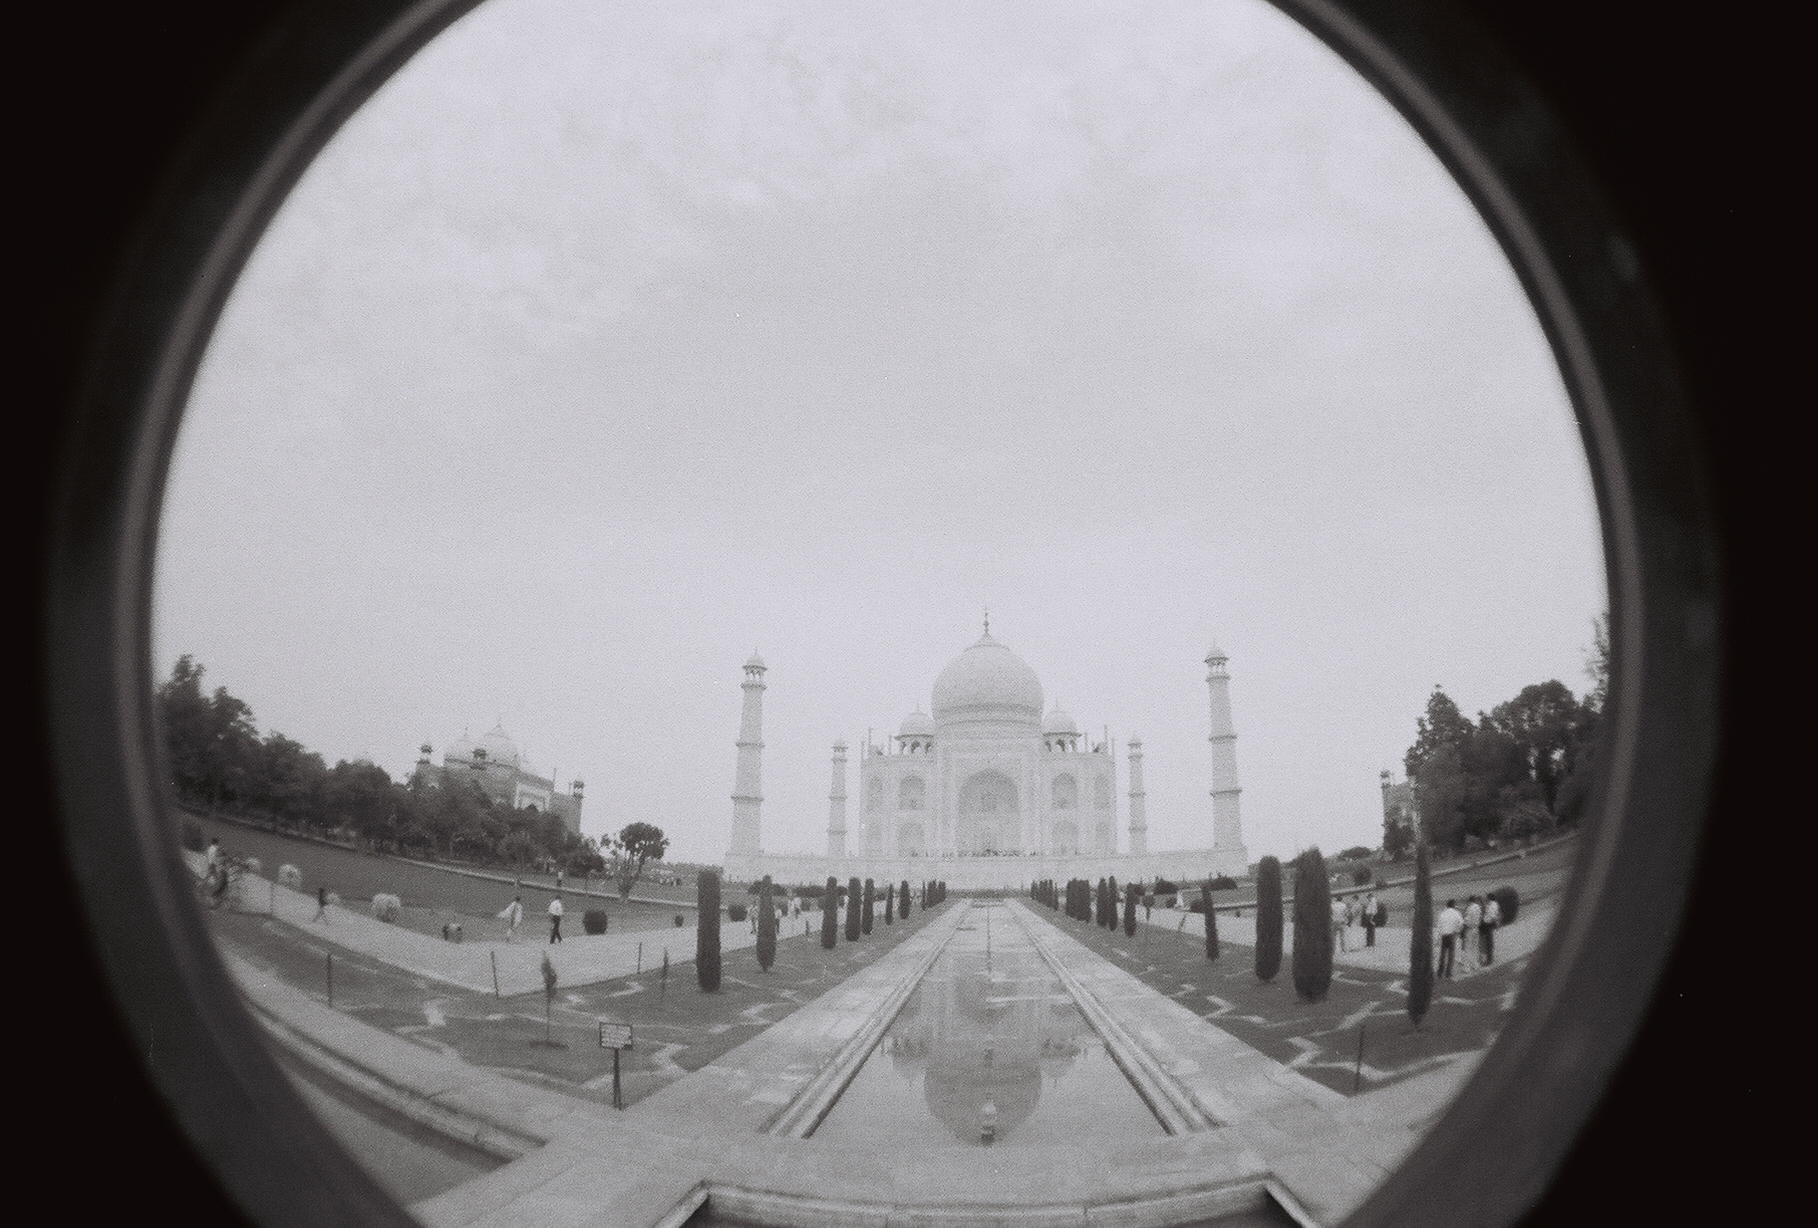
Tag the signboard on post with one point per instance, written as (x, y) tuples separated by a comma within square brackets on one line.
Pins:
[(614, 1035)]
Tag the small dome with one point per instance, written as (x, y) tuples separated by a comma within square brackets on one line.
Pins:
[(499, 747), (988, 682), (1059, 722), (917, 724), (756, 661), (1215, 653)]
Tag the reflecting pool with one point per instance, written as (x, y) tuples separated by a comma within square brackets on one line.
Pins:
[(989, 1042)]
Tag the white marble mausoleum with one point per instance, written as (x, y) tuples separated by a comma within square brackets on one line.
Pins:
[(984, 790)]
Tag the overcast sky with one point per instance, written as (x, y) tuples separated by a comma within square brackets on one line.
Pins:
[(608, 343)]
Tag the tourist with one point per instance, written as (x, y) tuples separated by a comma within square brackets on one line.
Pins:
[(1473, 924), (513, 915), (321, 906), (1369, 919), (1340, 923), (214, 858), (1451, 923), (1486, 939), (555, 919)]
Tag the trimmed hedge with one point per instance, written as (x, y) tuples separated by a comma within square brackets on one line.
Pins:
[(1508, 902), (594, 920), (1420, 943), (707, 932), (290, 876), (736, 912), (1312, 927), (385, 906), (1268, 919)]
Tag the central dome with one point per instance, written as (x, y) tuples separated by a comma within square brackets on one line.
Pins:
[(988, 682)]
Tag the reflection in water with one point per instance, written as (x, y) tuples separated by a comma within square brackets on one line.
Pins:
[(989, 1042)]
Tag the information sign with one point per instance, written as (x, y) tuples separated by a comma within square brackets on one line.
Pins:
[(614, 1035)]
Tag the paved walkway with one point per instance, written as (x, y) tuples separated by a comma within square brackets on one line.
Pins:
[(582, 959), (1328, 1149), (1390, 954), (583, 1165)]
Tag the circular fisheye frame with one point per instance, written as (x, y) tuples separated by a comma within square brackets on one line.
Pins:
[(1491, 1150)]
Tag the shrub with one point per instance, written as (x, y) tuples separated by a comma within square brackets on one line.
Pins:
[(853, 904), (192, 836), (1205, 901), (1166, 886), (290, 876), (680, 920), (766, 935), (1224, 882), (333, 898), (1508, 901), (1420, 943), (1361, 876), (252, 865), (1312, 927), (385, 906), (1268, 919), (736, 912), (594, 920), (707, 932), (830, 933)]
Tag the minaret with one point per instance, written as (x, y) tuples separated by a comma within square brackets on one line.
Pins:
[(1227, 828), (836, 804), (1139, 822), (748, 798)]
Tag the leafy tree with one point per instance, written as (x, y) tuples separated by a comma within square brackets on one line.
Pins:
[(1312, 927), (830, 903), (707, 931), (360, 796), (1443, 725), (1546, 723), (1420, 944), (865, 919), (1356, 852), (1520, 812), (766, 935), (1268, 919), (1130, 893), (1597, 664), (1205, 894), (1441, 791), (627, 853), (854, 902)]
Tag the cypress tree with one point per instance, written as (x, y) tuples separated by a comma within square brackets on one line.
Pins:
[(870, 899), (1111, 901), (1420, 945), (854, 902), (1268, 919), (707, 931), (1312, 927), (905, 899), (889, 903), (830, 933), (1211, 921), (766, 943), (1130, 911)]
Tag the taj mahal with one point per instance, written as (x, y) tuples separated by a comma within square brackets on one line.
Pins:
[(985, 791)]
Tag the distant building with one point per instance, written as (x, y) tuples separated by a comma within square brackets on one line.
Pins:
[(1397, 815), (495, 764)]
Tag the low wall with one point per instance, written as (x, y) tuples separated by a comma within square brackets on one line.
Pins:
[(974, 873)]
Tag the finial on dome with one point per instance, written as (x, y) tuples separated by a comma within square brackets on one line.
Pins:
[(987, 620)]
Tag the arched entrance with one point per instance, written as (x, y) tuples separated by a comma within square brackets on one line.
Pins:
[(990, 821)]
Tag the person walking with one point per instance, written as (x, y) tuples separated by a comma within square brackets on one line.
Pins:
[(555, 919), (214, 858), (321, 906), (1451, 924), (1486, 939), (1339, 923), (1473, 924), (513, 916), (1369, 919)]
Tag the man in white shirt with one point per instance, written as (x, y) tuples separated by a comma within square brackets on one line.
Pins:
[(1473, 918), (555, 919), (1486, 940), (513, 916), (1340, 923), (1451, 922)]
